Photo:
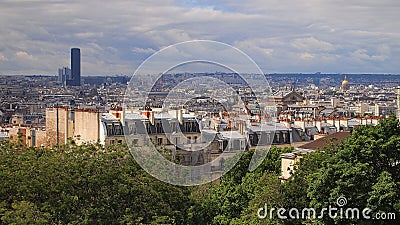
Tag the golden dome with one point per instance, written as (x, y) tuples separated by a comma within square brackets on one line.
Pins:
[(345, 83)]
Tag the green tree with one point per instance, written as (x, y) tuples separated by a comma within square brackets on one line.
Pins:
[(241, 193), (23, 212), (87, 184), (365, 169)]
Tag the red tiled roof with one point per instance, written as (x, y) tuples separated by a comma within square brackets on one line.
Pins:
[(322, 142)]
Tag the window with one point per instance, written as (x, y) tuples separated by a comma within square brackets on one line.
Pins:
[(191, 127), (277, 138), (159, 129), (109, 129), (159, 141), (148, 129), (189, 140), (221, 145), (134, 130), (174, 127), (117, 129), (195, 139), (186, 127), (72, 115), (235, 145), (177, 140)]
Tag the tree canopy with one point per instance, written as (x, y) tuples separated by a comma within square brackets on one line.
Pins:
[(95, 184)]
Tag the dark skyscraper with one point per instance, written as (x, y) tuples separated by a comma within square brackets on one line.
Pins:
[(75, 68)]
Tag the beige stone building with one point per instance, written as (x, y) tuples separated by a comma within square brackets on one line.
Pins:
[(82, 126), (28, 135), (59, 125), (290, 161), (86, 126)]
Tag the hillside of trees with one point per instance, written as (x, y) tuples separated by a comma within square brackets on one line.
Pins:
[(94, 184)]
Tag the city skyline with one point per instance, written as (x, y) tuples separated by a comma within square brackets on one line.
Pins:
[(283, 37), (199, 112)]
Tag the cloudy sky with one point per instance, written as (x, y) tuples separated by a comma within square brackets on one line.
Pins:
[(340, 36)]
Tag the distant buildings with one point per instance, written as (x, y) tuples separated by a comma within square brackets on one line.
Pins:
[(64, 74), (385, 109), (287, 98), (71, 77), (41, 113)]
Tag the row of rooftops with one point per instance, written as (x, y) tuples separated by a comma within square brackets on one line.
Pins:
[(75, 109)]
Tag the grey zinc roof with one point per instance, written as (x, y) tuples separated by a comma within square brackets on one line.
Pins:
[(268, 127), (352, 123), (232, 135), (135, 116), (106, 117), (288, 155), (162, 115)]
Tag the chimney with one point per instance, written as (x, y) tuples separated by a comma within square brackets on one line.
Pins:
[(337, 124), (318, 124), (151, 118), (180, 116), (315, 112), (146, 114), (345, 122), (149, 114), (216, 124), (287, 123)]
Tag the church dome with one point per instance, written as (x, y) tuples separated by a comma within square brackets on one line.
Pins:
[(345, 83)]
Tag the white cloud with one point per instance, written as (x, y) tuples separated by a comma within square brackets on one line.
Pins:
[(312, 44), (2, 57), (143, 50), (362, 54), (24, 55), (306, 56), (89, 35), (278, 35)]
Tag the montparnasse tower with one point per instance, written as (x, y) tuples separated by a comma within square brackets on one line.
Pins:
[(345, 84)]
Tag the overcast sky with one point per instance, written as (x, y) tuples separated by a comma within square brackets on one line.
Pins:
[(339, 36)]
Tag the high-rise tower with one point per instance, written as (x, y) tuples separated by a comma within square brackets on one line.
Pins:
[(75, 68), (64, 74)]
